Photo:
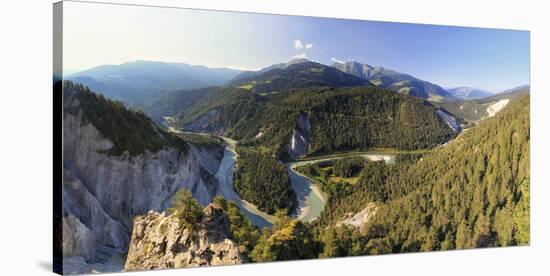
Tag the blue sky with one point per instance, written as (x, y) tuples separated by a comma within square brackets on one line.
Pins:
[(96, 34)]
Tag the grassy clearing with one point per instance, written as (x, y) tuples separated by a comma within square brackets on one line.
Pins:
[(435, 98), (247, 86)]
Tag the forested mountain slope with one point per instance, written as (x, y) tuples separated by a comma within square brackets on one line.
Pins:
[(176, 101), (476, 110), (474, 192), (320, 120)]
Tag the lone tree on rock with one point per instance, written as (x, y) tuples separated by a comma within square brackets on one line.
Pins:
[(186, 208)]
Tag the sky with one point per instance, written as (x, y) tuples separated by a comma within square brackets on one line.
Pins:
[(99, 34)]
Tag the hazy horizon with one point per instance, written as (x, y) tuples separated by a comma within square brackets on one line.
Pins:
[(106, 34)]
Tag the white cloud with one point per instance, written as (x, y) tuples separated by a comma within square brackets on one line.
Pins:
[(336, 60), (300, 56), (301, 47)]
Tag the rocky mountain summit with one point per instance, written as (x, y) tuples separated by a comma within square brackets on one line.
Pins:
[(395, 81), (163, 241)]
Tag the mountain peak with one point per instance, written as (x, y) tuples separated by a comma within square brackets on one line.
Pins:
[(299, 73), (298, 60), (349, 61)]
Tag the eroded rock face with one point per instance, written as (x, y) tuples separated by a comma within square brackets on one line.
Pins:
[(299, 141), (78, 239), (161, 241), (102, 193)]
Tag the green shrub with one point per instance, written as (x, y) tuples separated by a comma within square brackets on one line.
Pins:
[(243, 232)]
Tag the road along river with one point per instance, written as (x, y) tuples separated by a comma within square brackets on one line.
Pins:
[(311, 201)]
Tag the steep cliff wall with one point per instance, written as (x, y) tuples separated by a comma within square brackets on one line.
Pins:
[(102, 193)]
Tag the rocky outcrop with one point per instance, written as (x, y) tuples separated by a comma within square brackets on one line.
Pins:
[(102, 193), (450, 120), (495, 107), (161, 241)]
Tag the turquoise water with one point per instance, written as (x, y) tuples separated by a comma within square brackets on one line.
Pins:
[(225, 180)]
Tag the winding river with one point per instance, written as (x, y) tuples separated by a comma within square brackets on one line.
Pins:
[(311, 200), (225, 180)]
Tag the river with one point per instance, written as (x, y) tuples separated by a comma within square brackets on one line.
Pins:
[(225, 180)]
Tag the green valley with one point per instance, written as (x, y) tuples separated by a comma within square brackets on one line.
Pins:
[(328, 114)]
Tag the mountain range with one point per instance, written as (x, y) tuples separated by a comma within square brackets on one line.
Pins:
[(469, 93), (316, 120), (138, 82)]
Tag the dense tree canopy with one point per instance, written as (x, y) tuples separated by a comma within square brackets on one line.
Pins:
[(347, 167), (263, 181)]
